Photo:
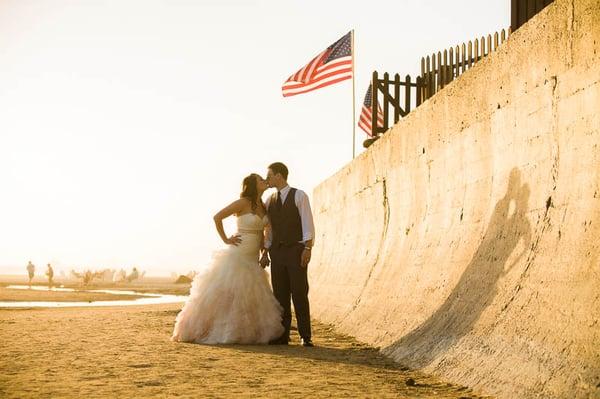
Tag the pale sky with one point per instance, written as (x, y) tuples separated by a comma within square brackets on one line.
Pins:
[(126, 125)]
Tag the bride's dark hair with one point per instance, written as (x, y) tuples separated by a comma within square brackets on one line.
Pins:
[(249, 189)]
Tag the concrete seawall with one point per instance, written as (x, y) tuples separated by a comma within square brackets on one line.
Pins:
[(466, 241)]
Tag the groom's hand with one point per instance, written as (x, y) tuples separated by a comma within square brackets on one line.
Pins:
[(305, 259), (264, 260)]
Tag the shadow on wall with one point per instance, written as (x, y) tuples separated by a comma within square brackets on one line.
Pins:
[(478, 285)]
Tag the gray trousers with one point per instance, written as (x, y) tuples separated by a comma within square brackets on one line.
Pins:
[(290, 280)]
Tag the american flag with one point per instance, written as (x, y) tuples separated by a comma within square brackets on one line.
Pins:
[(364, 121), (331, 66)]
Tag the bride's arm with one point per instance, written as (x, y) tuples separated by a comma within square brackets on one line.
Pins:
[(233, 208)]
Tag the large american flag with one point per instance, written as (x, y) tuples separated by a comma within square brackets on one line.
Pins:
[(365, 119), (331, 66)]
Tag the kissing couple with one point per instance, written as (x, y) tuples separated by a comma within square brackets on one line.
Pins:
[(231, 302)]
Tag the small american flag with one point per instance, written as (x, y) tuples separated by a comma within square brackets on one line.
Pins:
[(331, 66), (364, 121)]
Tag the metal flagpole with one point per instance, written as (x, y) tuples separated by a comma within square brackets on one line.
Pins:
[(353, 102)]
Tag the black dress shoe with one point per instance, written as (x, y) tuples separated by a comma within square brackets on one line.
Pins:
[(307, 342)]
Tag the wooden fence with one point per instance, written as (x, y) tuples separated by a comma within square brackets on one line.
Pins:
[(439, 69), (442, 68), (400, 96), (405, 94), (522, 10)]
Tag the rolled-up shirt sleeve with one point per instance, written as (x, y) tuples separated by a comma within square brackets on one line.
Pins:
[(306, 217)]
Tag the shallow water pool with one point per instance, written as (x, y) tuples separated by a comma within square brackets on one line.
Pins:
[(149, 298)]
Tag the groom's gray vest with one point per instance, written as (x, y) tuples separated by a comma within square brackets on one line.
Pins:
[(286, 223)]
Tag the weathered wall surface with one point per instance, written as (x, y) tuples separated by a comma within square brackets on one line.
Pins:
[(466, 241)]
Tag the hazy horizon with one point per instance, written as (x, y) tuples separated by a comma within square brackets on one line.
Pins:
[(41, 269)]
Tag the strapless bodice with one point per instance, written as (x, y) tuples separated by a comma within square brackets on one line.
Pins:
[(250, 229), (251, 223)]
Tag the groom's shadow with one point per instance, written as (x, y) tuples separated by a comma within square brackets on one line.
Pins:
[(347, 351)]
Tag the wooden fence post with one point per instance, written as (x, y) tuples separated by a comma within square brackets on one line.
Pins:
[(470, 54), (397, 98), (386, 103), (451, 65), (374, 90), (427, 77), (420, 90), (424, 76), (407, 90)]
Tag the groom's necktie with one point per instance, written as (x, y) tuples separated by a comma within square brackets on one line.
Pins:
[(279, 203)]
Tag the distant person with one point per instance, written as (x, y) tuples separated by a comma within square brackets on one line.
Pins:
[(30, 272), (50, 274)]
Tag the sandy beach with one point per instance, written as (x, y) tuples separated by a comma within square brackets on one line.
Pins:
[(126, 352)]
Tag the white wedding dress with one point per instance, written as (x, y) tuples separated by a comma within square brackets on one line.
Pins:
[(232, 302)]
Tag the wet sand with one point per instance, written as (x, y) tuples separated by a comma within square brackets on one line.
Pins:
[(126, 352)]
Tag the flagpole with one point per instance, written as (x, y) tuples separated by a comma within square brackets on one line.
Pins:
[(353, 102)]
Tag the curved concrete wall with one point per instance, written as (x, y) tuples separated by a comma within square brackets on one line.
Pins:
[(466, 241)]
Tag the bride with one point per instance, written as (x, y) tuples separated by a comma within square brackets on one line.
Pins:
[(232, 302)]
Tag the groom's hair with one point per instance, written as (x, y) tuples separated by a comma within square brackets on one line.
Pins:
[(278, 167)]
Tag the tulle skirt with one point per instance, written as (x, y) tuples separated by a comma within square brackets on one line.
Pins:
[(231, 302)]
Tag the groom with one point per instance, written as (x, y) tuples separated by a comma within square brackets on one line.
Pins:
[(289, 243)]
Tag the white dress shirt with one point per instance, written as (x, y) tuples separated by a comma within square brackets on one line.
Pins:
[(306, 218)]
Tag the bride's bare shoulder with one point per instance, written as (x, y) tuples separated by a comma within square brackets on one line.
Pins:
[(235, 208), (239, 203), (243, 205)]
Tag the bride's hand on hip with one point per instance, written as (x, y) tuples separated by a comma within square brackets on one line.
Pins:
[(234, 240)]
